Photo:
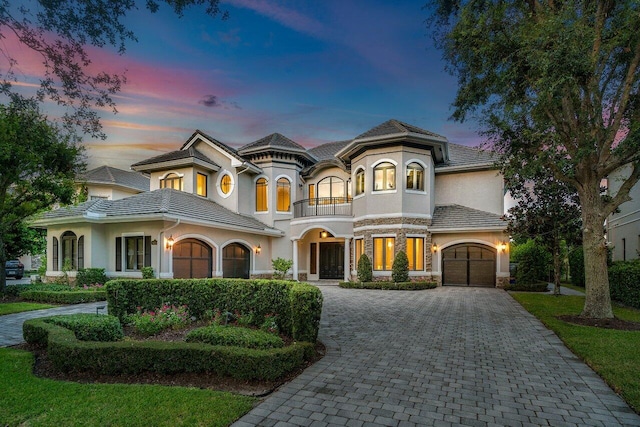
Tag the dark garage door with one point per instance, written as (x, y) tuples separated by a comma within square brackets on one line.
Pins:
[(235, 261), (469, 265), (191, 259)]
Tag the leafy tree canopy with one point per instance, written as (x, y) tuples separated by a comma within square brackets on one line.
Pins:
[(554, 83), (59, 32)]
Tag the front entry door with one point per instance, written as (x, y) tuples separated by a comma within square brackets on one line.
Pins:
[(332, 260)]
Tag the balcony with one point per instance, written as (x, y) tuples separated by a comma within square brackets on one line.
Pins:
[(322, 206)]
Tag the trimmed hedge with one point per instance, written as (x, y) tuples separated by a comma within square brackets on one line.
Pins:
[(64, 297), (90, 327), (401, 286), (234, 336), (67, 354), (91, 276), (624, 282), (298, 306)]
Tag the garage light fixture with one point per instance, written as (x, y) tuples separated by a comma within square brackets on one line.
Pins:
[(434, 248), (258, 249), (502, 247)]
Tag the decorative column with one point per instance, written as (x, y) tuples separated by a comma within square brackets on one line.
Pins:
[(347, 258), (295, 260)]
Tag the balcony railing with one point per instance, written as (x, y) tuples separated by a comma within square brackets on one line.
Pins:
[(322, 206)]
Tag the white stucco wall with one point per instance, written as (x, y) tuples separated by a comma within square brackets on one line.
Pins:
[(482, 190)]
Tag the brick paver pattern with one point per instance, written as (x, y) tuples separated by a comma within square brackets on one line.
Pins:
[(443, 357)]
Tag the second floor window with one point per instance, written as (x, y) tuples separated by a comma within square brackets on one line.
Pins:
[(284, 195), (331, 188), (359, 182), (201, 184), (384, 177), (171, 181), (415, 177), (261, 195), (225, 184)]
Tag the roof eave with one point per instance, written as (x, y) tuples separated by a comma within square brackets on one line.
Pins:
[(350, 149), (170, 164), (465, 168), (467, 229)]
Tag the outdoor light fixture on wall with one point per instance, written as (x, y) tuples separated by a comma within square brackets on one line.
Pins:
[(324, 234), (502, 246), (169, 244), (434, 248), (258, 249)]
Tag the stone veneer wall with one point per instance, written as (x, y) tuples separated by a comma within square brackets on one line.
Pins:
[(401, 237), (501, 282)]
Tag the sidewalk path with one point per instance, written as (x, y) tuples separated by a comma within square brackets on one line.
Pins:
[(11, 324), (445, 357)]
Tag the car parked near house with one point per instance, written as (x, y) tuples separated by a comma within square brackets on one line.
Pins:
[(14, 268)]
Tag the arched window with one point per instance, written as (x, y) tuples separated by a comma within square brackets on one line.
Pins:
[(384, 177), (330, 189), (225, 184), (261, 195), (415, 177), (69, 250), (359, 182), (172, 180), (284, 195), (55, 255)]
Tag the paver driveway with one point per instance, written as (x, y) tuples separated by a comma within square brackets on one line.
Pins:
[(448, 356)]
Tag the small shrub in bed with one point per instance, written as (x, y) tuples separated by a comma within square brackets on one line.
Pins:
[(235, 336), (151, 322), (90, 277), (365, 269), (90, 327), (400, 268)]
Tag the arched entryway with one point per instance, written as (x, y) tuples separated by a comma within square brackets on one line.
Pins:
[(191, 259), (469, 264), (236, 261)]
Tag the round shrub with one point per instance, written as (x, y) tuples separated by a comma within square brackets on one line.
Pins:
[(235, 336), (400, 268), (90, 327), (365, 269)]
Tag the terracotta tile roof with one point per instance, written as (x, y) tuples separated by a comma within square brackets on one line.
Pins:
[(456, 217), (392, 127), (167, 202), (108, 175)]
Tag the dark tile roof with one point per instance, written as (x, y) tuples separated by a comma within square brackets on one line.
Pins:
[(392, 127), (108, 175), (456, 217), (275, 140), (172, 203), (461, 155), (328, 151), (176, 155)]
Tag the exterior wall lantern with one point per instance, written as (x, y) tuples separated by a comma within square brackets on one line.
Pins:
[(324, 234), (434, 248), (258, 249), (169, 244), (502, 247)]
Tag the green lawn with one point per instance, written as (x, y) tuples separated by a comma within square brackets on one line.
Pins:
[(29, 400), (614, 355), (18, 307)]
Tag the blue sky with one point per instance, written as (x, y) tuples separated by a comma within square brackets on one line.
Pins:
[(315, 71)]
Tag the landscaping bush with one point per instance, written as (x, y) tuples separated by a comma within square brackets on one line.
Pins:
[(533, 263), (63, 297), (91, 276), (67, 354), (576, 266), (297, 306), (401, 286), (280, 267), (400, 268), (527, 287), (90, 327), (235, 336), (365, 269), (624, 282), (150, 322), (148, 273)]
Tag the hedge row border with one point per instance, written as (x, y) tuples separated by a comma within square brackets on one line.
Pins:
[(64, 297), (69, 354), (391, 286)]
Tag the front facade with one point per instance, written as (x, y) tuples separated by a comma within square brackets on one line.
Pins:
[(214, 211)]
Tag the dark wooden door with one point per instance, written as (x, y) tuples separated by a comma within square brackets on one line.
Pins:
[(331, 260), (235, 261), (191, 259), (469, 265)]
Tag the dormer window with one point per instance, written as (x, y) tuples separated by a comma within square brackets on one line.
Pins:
[(201, 184), (384, 177), (415, 177), (172, 181)]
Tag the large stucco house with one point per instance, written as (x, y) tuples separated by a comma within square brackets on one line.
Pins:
[(212, 210)]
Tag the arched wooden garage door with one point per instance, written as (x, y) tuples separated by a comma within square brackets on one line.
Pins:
[(469, 265), (235, 261), (191, 259)]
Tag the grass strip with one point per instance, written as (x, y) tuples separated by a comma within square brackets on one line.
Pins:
[(19, 307), (613, 354), (32, 401)]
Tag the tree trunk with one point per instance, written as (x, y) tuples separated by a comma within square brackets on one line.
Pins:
[(597, 303), (556, 267)]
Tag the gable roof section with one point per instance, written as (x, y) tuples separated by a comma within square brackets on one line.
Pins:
[(456, 218), (394, 132), (328, 151), (236, 159), (463, 157), (186, 157), (275, 140), (107, 175), (163, 204)]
